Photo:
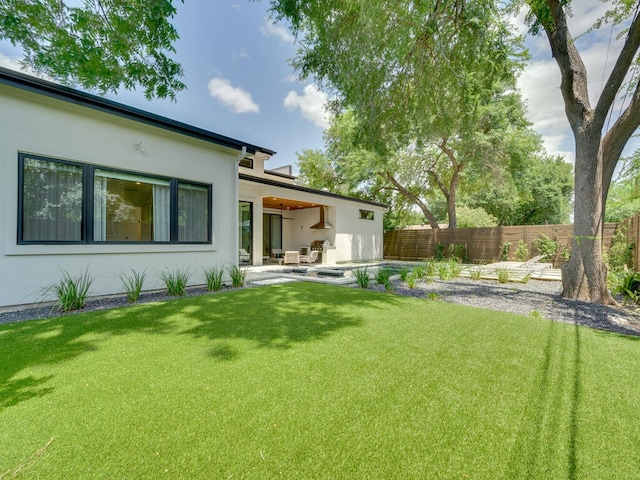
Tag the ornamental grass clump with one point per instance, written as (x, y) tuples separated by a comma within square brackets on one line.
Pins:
[(175, 281), (71, 292), (448, 270), (213, 277), (132, 284), (382, 276), (238, 275), (411, 281), (503, 275), (404, 272), (362, 277), (475, 273)]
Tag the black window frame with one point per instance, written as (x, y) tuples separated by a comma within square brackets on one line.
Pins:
[(367, 214), (86, 235), (246, 162)]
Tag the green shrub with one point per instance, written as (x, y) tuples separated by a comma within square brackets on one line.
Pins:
[(503, 275), (468, 217), (362, 277), (546, 246), (522, 251), (238, 275), (71, 292), (411, 281), (404, 272), (475, 273), (551, 247), (504, 254), (383, 275), (439, 251), (620, 253), (133, 284), (629, 287), (448, 270), (459, 253), (430, 269), (213, 277), (176, 281)]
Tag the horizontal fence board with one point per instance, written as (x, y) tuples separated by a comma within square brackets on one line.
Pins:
[(484, 244)]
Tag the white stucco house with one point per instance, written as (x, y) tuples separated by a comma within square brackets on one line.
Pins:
[(90, 184)]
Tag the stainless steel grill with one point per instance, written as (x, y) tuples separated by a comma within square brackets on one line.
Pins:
[(318, 245)]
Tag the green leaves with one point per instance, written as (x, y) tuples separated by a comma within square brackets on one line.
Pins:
[(103, 45), (405, 68)]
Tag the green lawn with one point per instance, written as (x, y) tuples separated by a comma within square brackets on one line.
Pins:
[(303, 381)]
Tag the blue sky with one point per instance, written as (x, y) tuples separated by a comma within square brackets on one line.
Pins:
[(240, 84)]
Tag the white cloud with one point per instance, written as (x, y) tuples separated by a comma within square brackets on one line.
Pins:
[(8, 62), (270, 29), (235, 99), (15, 64), (311, 104)]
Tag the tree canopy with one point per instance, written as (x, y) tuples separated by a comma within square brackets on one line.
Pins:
[(506, 173), (102, 45), (407, 69), (419, 78)]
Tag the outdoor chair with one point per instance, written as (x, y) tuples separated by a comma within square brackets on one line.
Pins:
[(291, 256), (309, 258), (243, 256)]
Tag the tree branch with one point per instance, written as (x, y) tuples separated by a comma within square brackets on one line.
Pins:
[(574, 74), (414, 198), (626, 57), (616, 138)]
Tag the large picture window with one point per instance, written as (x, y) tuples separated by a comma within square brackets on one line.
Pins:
[(193, 213), (51, 196), (71, 202)]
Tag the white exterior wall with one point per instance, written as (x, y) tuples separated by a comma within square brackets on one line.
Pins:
[(358, 239), (35, 124), (355, 239)]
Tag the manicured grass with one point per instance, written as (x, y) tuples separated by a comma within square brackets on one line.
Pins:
[(313, 381)]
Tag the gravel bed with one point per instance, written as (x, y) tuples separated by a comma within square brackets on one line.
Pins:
[(535, 298)]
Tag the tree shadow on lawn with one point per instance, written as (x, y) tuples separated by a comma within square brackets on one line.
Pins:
[(274, 316), (550, 305)]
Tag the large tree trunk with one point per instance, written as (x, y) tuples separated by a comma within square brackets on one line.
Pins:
[(414, 198), (584, 276), (451, 200)]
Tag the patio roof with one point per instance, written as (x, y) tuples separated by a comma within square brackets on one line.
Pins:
[(298, 188)]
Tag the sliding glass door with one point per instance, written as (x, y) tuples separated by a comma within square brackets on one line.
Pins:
[(271, 233), (245, 224)]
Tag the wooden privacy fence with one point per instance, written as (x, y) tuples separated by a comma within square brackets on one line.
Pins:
[(633, 235), (484, 245)]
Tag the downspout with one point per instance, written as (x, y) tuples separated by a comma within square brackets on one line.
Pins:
[(236, 187)]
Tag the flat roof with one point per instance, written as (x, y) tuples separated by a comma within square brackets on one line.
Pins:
[(50, 89), (298, 188)]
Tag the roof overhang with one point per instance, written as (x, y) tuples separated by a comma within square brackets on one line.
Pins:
[(299, 188)]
